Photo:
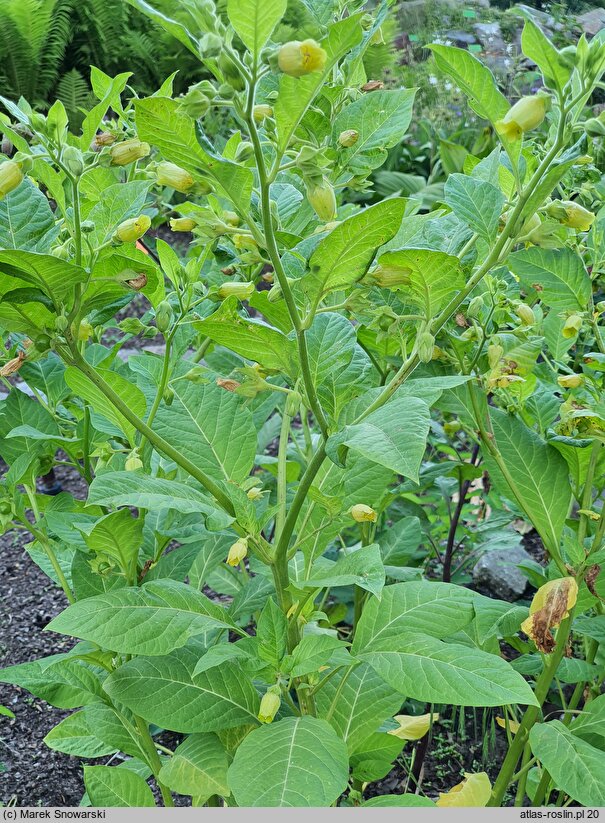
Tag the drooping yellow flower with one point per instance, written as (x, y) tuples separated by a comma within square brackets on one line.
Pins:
[(363, 514), (11, 176), (527, 114), (129, 231), (297, 58), (169, 174), (474, 790)]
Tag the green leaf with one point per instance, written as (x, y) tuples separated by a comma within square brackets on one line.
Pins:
[(475, 80), (154, 619), (292, 763), (391, 800), (375, 756), (109, 98), (576, 767), (272, 633), (26, 220), (476, 202), (254, 20), (74, 736), (212, 552), (53, 276), (438, 609), (536, 45), (134, 489), (173, 27), (296, 93), (590, 723), (496, 618), (59, 680), (539, 472), (198, 767), (358, 706), (393, 436), (399, 543), (562, 280), (344, 255), (118, 202), (249, 338), (118, 535), (82, 386), (161, 123), (434, 276), (381, 119), (362, 568), (315, 651), (164, 691), (427, 669), (20, 409), (109, 727), (212, 427), (111, 787)]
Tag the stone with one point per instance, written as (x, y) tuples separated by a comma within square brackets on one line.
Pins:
[(490, 36), (497, 572), (592, 21), (460, 38)]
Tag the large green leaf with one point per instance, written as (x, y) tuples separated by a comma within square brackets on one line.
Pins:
[(539, 472), (381, 119), (425, 668), (19, 410), (118, 203), (344, 255), (558, 274), (198, 767), (437, 609), (540, 50), (249, 338), (357, 707), (160, 121), (53, 276), (434, 276), (165, 691), (212, 427), (26, 220), (154, 619), (576, 767), (475, 80), (393, 436), (118, 536), (295, 762), (476, 202), (74, 735), (254, 20), (58, 679), (362, 568), (110, 787), (590, 723), (144, 492)]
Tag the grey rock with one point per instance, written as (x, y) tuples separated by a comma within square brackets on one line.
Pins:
[(497, 572), (490, 36), (461, 38), (592, 21)]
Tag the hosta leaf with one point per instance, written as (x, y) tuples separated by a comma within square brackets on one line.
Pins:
[(249, 338), (434, 276), (110, 787), (539, 472), (165, 691), (153, 619), (75, 736), (357, 707), (198, 767), (558, 275), (476, 202), (381, 119), (393, 436), (345, 254), (294, 762), (212, 427), (254, 20), (438, 609), (576, 767), (26, 220), (427, 669)]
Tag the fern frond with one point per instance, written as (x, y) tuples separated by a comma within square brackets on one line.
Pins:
[(73, 92)]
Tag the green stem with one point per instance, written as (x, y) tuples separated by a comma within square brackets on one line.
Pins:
[(282, 482), (201, 350), (77, 222), (161, 387), (155, 764), (86, 444)]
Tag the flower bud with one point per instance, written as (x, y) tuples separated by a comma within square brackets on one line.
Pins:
[(269, 705), (296, 58), (237, 552), (260, 112), (322, 199), (210, 45), (475, 306), (348, 138), (11, 176), (104, 138), (195, 103), (570, 381), (133, 461), (571, 214), (169, 174), (231, 218), (61, 323), (73, 160), (182, 224), (363, 514), (164, 316), (240, 290), (525, 314), (527, 114), (495, 352), (274, 295), (85, 331), (255, 493), (130, 230), (572, 326), (128, 151), (425, 345)]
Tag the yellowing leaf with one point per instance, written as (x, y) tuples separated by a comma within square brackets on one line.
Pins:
[(513, 725), (475, 790), (551, 605), (413, 727)]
